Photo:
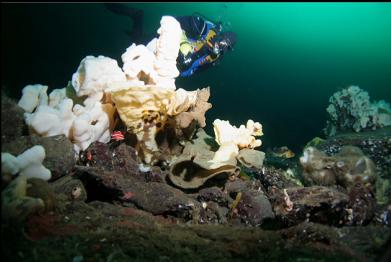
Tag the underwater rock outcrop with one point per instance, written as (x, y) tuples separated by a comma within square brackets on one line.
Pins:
[(325, 205), (122, 158), (316, 204), (71, 187), (346, 168), (154, 197), (276, 178), (350, 109), (12, 120), (251, 206), (375, 144)]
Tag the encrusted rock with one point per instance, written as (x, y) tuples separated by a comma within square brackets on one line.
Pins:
[(374, 144), (251, 206), (156, 198), (274, 178), (12, 120), (156, 175), (213, 194), (71, 187), (362, 205), (237, 185), (316, 204), (254, 208), (110, 157), (212, 213)]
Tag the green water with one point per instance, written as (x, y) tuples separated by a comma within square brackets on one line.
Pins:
[(289, 58)]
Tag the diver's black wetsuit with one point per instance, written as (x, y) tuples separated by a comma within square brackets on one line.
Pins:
[(196, 28)]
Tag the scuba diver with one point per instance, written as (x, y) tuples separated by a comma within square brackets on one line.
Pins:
[(203, 44)]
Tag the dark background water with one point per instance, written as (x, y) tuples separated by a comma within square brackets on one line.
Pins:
[(289, 58)]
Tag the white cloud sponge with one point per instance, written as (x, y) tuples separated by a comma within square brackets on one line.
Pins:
[(231, 139), (32, 96), (243, 137), (157, 60), (93, 76), (28, 164)]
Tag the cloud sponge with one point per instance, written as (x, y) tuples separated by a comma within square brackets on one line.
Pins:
[(28, 164)]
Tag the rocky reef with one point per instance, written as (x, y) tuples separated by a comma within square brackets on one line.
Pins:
[(134, 176), (109, 196)]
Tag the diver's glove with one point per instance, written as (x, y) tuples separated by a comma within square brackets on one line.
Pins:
[(187, 59), (216, 49)]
